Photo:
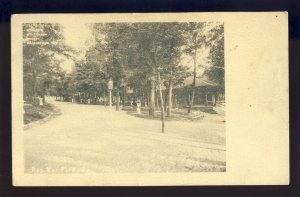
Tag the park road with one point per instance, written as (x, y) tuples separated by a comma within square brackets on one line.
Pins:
[(93, 138)]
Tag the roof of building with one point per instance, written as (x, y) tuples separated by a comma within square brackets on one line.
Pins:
[(200, 82)]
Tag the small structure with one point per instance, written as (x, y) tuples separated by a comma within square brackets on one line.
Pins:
[(138, 107), (207, 93), (40, 101)]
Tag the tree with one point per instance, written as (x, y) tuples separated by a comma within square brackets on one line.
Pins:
[(160, 49), (114, 39), (95, 57), (216, 56), (175, 77), (144, 56), (174, 72), (41, 42), (87, 80), (195, 40)]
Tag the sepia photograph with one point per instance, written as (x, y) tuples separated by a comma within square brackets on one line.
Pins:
[(150, 99), (124, 97)]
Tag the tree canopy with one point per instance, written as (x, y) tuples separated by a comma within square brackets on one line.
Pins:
[(144, 57), (41, 43)]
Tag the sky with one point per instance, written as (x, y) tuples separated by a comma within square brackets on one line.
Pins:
[(76, 36)]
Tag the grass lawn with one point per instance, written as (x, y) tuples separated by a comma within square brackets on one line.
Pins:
[(35, 113), (176, 115)]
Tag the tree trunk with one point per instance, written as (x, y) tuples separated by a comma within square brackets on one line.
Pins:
[(162, 106), (124, 92), (143, 99), (170, 98), (147, 99), (118, 99), (165, 96), (174, 100), (34, 84), (152, 99), (194, 82), (156, 100), (104, 95)]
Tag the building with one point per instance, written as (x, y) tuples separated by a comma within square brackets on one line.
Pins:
[(207, 93)]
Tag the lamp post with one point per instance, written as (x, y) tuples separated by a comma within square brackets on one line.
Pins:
[(110, 87)]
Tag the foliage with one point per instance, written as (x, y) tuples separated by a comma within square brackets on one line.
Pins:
[(216, 56), (136, 51), (134, 55), (41, 42), (87, 79)]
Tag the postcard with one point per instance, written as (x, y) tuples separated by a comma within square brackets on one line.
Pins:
[(150, 99)]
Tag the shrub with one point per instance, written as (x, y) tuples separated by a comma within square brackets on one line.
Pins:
[(35, 102)]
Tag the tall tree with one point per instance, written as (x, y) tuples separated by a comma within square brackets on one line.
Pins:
[(216, 56), (87, 80), (160, 48), (96, 58), (175, 77), (41, 42), (195, 40), (144, 55), (115, 39)]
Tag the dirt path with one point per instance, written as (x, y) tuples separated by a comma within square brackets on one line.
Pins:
[(89, 138)]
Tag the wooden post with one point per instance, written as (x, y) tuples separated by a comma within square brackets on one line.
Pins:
[(104, 95), (213, 100), (117, 99), (156, 100)]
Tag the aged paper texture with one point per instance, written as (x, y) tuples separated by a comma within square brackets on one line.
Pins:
[(138, 99)]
